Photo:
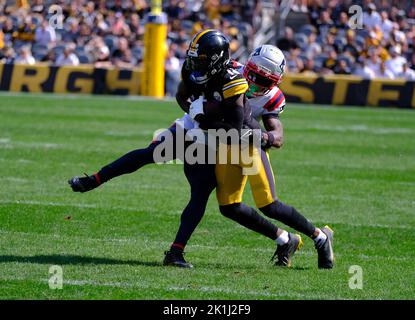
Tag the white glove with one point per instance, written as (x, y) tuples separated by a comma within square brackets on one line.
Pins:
[(196, 107)]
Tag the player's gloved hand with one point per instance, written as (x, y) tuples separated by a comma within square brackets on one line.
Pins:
[(267, 140), (196, 107)]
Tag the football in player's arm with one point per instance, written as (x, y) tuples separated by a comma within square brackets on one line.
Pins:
[(232, 110)]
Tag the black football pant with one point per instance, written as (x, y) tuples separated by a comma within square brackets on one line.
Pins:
[(201, 178)]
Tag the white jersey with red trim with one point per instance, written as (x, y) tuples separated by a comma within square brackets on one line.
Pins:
[(273, 102)]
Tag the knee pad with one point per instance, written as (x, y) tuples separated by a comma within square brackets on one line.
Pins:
[(289, 216), (230, 211), (276, 210), (249, 218)]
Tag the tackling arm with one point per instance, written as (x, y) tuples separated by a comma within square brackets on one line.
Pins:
[(182, 97), (274, 137), (233, 115)]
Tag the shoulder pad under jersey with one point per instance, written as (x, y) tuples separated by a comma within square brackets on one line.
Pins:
[(234, 83)]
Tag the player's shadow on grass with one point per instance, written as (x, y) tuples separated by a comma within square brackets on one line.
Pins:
[(75, 260), (246, 266), (84, 260)]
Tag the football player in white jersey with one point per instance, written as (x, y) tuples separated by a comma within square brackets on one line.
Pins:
[(264, 71)]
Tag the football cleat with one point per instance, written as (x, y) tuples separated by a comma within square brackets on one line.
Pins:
[(285, 252), (84, 184), (325, 251), (175, 259)]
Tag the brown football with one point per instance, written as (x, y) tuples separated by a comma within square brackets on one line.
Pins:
[(213, 110)]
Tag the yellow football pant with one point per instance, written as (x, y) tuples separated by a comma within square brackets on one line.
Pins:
[(231, 177)]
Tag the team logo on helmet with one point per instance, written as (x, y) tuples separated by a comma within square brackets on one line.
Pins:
[(257, 51), (193, 51), (282, 65)]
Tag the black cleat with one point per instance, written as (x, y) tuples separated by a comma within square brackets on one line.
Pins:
[(83, 184), (285, 252), (325, 251), (175, 259)]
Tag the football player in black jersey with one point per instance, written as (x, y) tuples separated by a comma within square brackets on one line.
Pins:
[(208, 76), (211, 74), (208, 73), (201, 177)]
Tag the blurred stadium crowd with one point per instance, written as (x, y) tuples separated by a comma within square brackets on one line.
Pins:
[(110, 33), (382, 48)]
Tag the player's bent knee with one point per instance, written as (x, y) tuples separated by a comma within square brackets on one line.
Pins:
[(202, 192), (275, 210), (199, 200), (230, 210)]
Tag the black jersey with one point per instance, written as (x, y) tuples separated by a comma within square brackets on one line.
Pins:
[(228, 84)]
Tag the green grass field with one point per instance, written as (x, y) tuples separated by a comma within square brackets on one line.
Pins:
[(352, 168)]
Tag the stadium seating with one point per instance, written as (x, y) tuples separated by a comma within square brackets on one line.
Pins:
[(319, 24)]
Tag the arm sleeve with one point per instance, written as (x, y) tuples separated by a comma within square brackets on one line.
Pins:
[(182, 97), (252, 123)]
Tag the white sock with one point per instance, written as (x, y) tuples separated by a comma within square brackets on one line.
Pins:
[(320, 239), (282, 239)]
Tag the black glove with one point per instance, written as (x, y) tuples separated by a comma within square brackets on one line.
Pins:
[(267, 140)]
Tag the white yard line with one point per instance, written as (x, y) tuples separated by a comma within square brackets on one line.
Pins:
[(141, 133), (51, 204), (375, 225), (30, 145), (14, 179), (140, 209), (18, 160), (358, 180), (359, 199), (76, 205), (349, 165), (164, 244), (360, 128), (176, 213)]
